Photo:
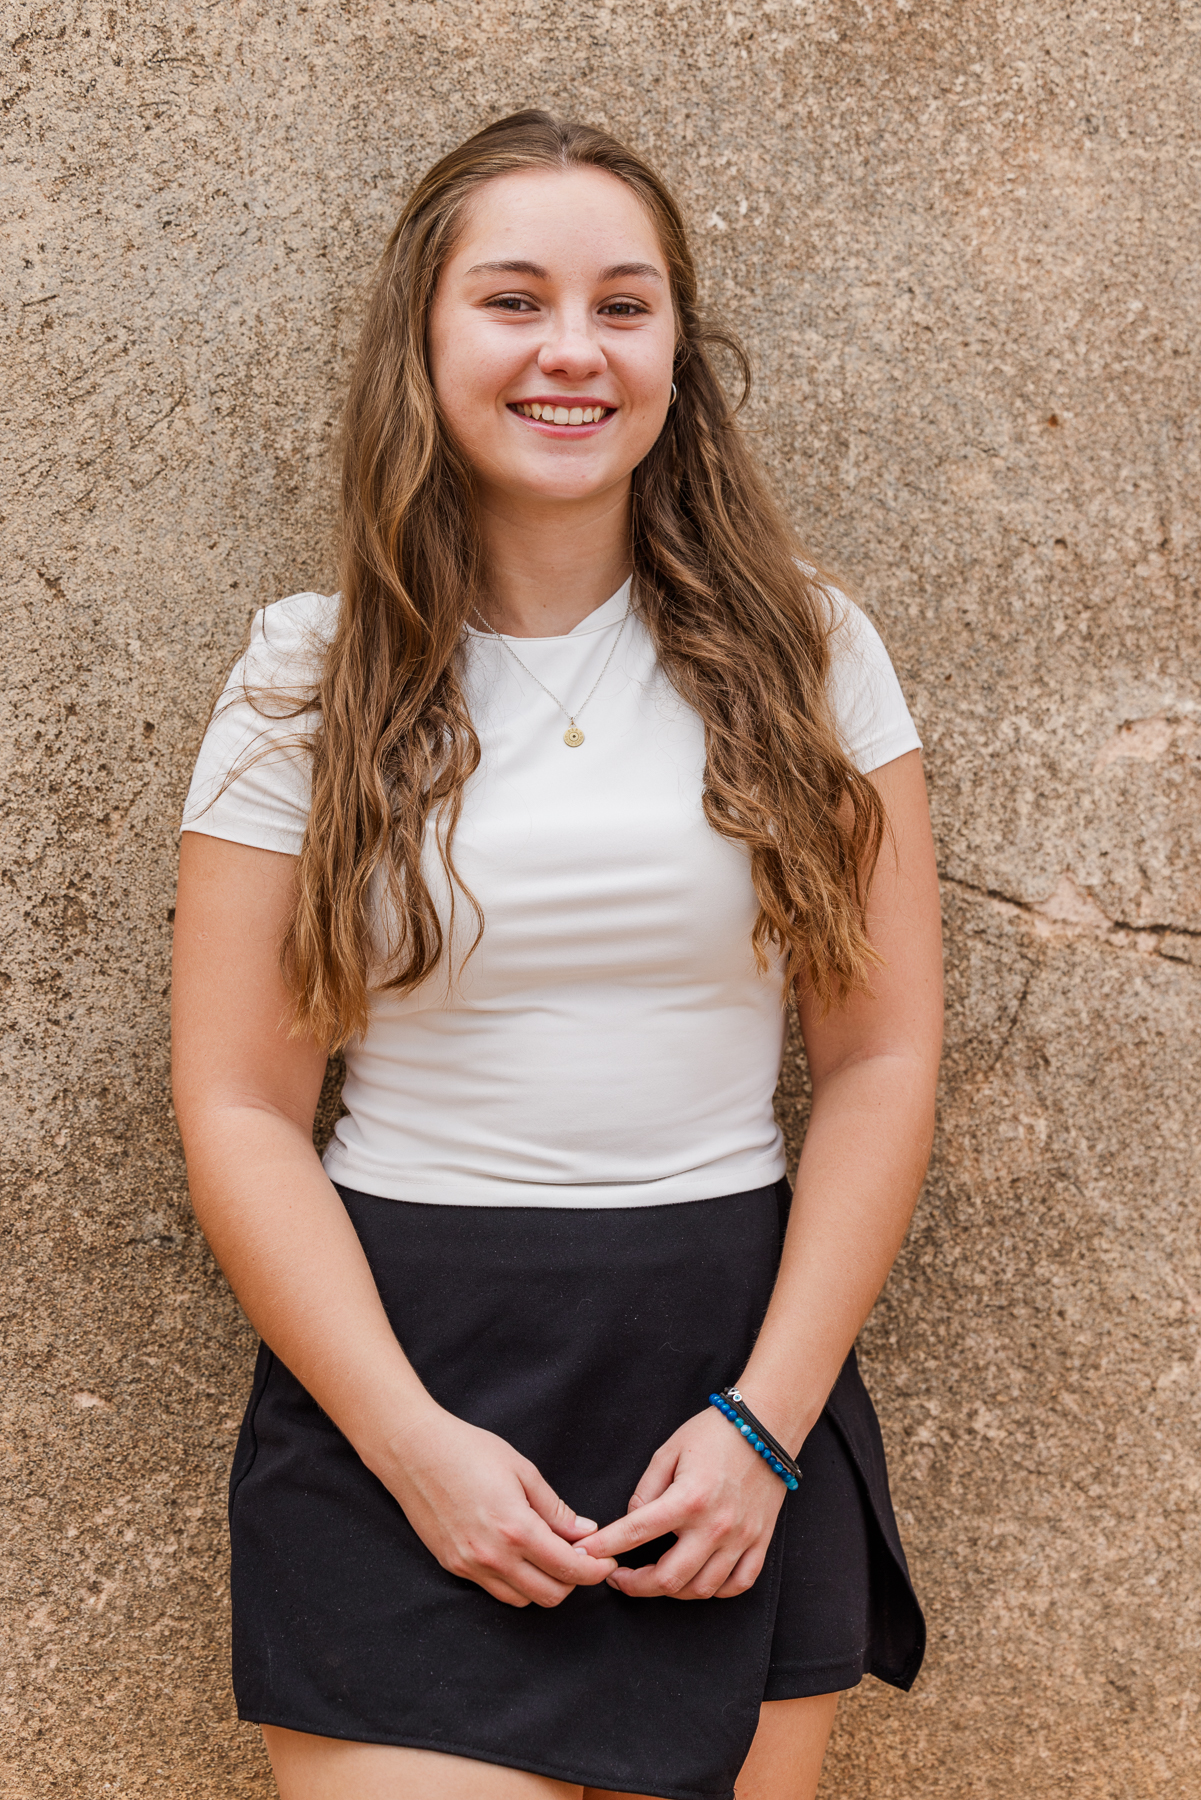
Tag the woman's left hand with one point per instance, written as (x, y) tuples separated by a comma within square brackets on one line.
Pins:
[(721, 1500)]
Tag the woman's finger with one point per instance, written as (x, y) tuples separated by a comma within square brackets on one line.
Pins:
[(511, 1576), (656, 1478), (569, 1563), (675, 1570), (539, 1587), (712, 1576), (546, 1503), (501, 1590), (744, 1574), (670, 1512)]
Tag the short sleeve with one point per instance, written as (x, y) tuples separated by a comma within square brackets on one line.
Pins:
[(869, 708), (266, 803)]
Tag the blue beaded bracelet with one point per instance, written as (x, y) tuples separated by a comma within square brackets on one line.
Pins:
[(752, 1437)]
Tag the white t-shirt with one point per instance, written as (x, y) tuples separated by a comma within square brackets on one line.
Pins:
[(610, 1042)]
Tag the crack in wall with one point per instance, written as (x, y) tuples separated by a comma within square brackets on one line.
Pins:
[(1070, 912), (1013, 1023)]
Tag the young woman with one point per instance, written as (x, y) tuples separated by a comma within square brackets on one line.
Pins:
[(542, 818)]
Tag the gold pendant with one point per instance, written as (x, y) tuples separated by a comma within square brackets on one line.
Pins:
[(573, 737)]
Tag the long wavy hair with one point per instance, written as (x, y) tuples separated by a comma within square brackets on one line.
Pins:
[(737, 612)]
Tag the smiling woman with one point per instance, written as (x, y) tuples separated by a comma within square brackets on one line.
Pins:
[(553, 1230), (572, 344)]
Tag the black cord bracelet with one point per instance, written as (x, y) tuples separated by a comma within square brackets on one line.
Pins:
[(734, 1399), (771, 1449)]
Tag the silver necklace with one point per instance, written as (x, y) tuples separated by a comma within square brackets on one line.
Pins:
[(573, 737)]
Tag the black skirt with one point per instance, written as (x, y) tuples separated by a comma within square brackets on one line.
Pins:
[(583, 1337)]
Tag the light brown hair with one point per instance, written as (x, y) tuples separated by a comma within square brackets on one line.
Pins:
[(736, 611)]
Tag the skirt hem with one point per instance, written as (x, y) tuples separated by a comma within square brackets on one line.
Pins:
[(807, 1683), (853, 1416), (474, 1753)]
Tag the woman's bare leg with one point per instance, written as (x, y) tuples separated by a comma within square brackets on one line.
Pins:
[(784, 1763), (785, 1759), (308, 1767)]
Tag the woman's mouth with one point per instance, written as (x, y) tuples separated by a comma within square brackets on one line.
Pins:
[(559, 413)]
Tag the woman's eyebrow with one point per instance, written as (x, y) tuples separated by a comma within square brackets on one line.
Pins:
[(647, 270), (517, 266), (514, 267)]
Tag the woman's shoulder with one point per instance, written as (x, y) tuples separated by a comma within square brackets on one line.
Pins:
[(251, 780), (869, 707), (288, 641), (852, 632)]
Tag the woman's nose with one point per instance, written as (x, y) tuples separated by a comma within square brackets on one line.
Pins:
[(572, 351)]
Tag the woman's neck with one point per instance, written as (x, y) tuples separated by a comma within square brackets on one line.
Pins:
[(550, 566)]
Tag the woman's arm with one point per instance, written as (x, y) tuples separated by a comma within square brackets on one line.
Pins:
[(245, 1096), (874, 1067), (874, 1064)]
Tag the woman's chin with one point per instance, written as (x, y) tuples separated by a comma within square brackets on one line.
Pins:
[(559, 480)]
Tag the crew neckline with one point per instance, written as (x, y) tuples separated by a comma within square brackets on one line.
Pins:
[(611, 612)]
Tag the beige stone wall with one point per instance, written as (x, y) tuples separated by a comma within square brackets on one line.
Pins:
[(962, 241)]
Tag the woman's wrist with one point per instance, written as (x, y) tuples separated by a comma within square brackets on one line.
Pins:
[(397, 1421), (732, 1405), (789, 1416)]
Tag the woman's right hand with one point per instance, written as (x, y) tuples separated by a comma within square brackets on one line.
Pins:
[(486, 1513)]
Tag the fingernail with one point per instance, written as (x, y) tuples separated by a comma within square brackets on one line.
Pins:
[(586, 1524), (579, 1549)]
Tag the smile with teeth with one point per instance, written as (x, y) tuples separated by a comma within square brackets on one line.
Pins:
[(561, 415)]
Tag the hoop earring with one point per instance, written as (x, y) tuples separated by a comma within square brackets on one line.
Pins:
[(674, 395)]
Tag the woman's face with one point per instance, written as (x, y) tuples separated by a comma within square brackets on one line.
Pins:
[(552, 335)]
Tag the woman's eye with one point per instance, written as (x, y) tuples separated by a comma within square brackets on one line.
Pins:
[(624, 309), (512, 303)]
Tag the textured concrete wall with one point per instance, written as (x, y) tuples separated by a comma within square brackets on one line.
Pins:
[(962, 241)]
